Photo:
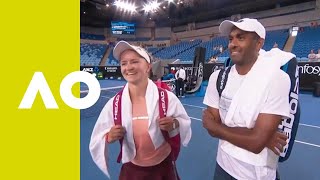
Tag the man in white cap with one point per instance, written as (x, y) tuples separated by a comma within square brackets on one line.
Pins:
[(246, 114), (145, 153)]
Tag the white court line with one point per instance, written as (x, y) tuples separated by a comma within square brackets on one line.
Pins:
[(107, 97), (85, 91), (300, 124), (309, 125), (315, 145), (301, 142), (195, 118), (201, 107)]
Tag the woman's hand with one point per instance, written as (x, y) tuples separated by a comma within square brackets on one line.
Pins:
[(116, 132), (168, 123)]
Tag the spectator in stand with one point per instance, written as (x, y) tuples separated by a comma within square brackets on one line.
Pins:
[(312, 56), (213, 59), (314, 24), (221, 48), (301, 29), (275, 45), (318, 55)]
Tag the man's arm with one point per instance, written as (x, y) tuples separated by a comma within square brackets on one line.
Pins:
[(210, 118), (253, 140)]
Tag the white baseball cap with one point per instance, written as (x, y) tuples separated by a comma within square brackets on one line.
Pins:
[(246, 24), (122, 46)]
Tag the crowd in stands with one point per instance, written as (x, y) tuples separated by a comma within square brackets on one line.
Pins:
[(161, 45), (219, 48), (306, 42), (313, 56), (91, 36)]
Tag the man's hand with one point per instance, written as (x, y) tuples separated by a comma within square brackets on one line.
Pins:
[(116, 132), (209, 122), (277, 142), (167, 123)]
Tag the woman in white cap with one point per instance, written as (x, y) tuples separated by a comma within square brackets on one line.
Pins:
[(145, 152)]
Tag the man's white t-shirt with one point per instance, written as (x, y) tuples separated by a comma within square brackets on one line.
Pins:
[(181, 73), (277, 103)]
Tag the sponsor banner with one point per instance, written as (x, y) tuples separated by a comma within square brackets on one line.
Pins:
[(210, 68), (309, 73), (103, 72)]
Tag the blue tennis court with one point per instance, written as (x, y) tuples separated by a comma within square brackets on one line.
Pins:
[(197, 161)]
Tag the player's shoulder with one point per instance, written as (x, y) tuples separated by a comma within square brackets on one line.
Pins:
[(171, 95), (214, 75), (281, 75)]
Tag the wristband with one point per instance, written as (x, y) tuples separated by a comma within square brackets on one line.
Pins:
[(174, 124)]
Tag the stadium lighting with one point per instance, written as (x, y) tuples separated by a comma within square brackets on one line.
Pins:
[(125, 6), (147, 8), (151, 7), (170, 1), (294, 31)]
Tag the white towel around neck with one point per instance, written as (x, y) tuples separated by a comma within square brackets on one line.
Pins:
[(255, 84)]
